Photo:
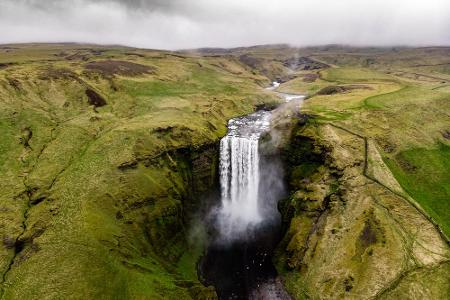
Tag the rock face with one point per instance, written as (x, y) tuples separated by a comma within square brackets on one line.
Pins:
[(351, 232), (303, 63)]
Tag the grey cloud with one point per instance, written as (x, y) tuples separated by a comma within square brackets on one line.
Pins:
[(173, 24), (167, 6)]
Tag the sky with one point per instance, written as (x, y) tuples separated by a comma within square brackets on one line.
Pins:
[(183, 24)]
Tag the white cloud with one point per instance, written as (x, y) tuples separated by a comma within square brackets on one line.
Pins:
[(200, 23)]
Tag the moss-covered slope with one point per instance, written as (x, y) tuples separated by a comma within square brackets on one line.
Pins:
[(103, 153), (368, 215), (350, 233)]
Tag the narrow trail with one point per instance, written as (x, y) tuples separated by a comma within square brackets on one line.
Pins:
[(407, 199)]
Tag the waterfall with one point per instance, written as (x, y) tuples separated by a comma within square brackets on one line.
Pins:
[(245, 226), (240, 175), (239, 180)]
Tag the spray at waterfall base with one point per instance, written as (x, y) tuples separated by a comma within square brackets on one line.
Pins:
[(245, 227), (250, 182)]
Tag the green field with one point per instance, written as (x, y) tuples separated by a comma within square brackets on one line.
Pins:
[(407, 116)]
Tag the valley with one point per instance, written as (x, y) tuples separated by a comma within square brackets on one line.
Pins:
[(109, 160)]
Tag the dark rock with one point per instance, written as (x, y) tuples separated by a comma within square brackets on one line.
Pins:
[(94, 98), (303, 63), (250, 61), (266, 106), (163, 129), (128, 165)]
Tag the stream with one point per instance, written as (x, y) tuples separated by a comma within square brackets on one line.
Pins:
[(246, 225)]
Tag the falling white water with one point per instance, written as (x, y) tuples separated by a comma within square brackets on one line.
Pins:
[(241, 206), (239, 174)]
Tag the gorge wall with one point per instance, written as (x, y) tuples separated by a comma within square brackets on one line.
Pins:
[(348, 234)]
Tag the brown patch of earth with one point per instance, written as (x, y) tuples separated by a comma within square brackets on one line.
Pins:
[(109, 68), (14, 83), (94, 98), (337, 89), (310, 77), (5, 65), (404, 163), (368, 236), (57, 73)]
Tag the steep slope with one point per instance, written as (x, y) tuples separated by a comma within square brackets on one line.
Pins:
[(368, 216), (103, 153), (351, 231)]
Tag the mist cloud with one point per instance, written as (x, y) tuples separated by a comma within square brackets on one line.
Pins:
[(175, 24)]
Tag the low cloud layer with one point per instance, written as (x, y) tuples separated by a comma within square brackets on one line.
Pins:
[(176, 24)]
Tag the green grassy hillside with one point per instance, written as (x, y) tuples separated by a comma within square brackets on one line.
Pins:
[(103, 151), (407, 119), (381, 120), (106, 151)]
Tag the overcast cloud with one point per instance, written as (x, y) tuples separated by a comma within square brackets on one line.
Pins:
[(176, 24)]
